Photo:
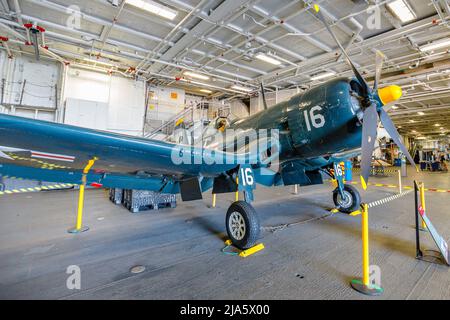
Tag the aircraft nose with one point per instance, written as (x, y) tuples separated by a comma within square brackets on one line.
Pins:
[(390, 94)]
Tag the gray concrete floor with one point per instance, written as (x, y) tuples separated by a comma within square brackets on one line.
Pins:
[(181, 248)]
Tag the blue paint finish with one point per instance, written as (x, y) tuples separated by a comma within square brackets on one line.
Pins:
[(317, 128), (106, 180), (116, 153)]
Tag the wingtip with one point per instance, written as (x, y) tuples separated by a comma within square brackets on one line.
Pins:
[(363, 183)]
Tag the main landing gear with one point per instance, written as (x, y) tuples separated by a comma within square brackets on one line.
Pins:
[(243, 225)]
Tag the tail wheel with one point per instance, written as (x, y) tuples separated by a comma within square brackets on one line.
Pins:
[(243, 226), (351, 200)]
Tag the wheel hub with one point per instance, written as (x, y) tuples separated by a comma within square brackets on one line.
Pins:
[(237, 226), (346, 201)]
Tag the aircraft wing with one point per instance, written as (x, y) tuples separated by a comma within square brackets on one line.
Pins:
[(54, 152)]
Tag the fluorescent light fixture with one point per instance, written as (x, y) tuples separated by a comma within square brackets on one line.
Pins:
[(402, 10), (414, 131), (205, 91), (437, 124), (196, 75), (420, 113), (263, 57), (435, 45), (239, 88), (394, 107), (412, 121), (442, 134), (421, 138), (154, 7), (322, 75)]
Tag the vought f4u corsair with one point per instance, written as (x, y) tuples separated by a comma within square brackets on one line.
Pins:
[(315, 131)]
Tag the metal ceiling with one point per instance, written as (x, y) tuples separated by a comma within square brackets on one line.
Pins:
[(220, 38)]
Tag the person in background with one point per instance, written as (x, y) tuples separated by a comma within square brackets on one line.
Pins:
[(444, 166)]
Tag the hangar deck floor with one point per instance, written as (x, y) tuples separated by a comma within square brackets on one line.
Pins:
[(181, 248)]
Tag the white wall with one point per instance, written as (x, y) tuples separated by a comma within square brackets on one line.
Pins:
[(39, 89), (125, 98), (164, 103)]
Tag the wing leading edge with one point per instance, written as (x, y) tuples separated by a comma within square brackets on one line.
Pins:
[(40, 150)]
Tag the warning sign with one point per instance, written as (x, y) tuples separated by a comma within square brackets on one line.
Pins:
[(438, 239)]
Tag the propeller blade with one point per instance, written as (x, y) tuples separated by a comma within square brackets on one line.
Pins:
[(388, 107), (390, 128), (370, 125), (378, 68), (358, 75)]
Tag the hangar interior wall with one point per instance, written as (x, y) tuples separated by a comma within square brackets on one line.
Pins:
[(31, 84), (95, 94)]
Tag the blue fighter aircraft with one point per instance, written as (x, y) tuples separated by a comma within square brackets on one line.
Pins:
[(316, 130)]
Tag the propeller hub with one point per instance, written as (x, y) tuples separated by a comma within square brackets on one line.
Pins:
[(390, 94)]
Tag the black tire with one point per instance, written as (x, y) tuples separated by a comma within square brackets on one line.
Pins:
[(354, 202), (250, 221)]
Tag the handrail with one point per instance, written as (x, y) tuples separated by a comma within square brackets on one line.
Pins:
[(169, 122)]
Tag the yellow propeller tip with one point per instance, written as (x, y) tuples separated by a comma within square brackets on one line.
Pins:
[(390, 94), (317, 8), (363, 183)]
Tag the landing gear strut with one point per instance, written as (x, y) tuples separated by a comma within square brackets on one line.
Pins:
[(346, 198), (243, 225)]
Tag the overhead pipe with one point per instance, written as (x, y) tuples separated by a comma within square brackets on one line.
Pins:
[(204, 17), (111, 27), (11, 30), (65, 28), (93, 19), (252, 36), (368, 42), (79, 41), (4, 42), (143, 64), (77, 56), (18, 11), (44, 50), (438, 9), (285, 25)]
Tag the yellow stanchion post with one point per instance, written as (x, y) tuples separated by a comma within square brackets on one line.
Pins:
[(237, 192), (365, 244), (79, 224), (364, 286), (400, 187), (214, 200), (423, 227)]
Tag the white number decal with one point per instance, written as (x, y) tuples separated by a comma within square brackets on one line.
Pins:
[(317, 120), (247, 177), (339, 171)]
